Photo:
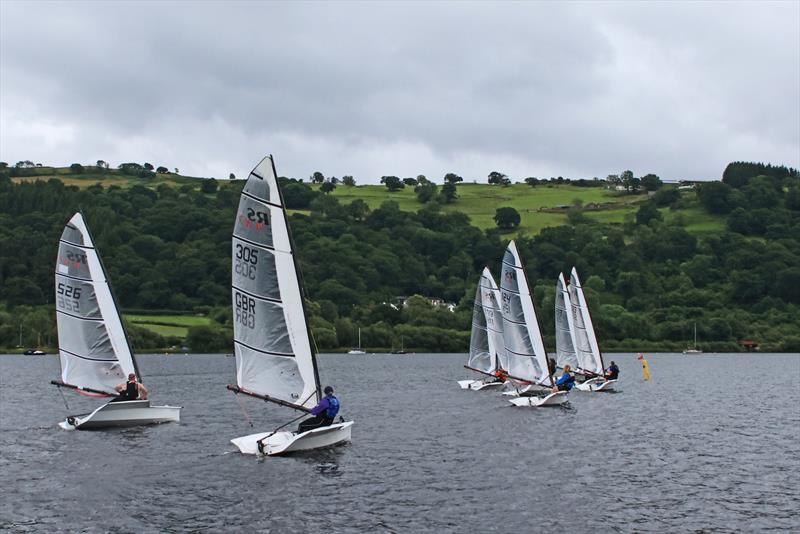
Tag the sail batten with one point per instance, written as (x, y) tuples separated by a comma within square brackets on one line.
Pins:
[(522, 337), (274, 356), (93, 348)]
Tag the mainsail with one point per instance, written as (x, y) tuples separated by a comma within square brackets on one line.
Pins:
[(92, 345), (274, 356), (565, 330), (522, 337), (588, 351), (486, 350)]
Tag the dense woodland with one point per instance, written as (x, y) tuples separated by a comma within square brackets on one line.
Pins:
[(167, 248)]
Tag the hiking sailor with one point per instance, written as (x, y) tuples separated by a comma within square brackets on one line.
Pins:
[(324, 412)]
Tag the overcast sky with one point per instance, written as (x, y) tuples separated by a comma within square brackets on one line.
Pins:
[(380, 88)]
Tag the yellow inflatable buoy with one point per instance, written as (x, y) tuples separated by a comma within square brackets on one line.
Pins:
[(645, 367)]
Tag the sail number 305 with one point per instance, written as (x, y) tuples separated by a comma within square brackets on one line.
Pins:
[(246, 261), (245, 310)]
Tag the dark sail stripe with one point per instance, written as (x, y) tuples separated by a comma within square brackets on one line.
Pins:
[(97, 320), (265, 299), (86, 357), (266, 247), (284, 354), (260, 200)]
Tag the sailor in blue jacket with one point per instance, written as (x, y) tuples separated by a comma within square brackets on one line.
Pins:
[(324, 412), (565, 381)]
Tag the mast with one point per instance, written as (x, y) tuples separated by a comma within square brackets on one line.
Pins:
[(538, 323), (312, 345), (114, 300)]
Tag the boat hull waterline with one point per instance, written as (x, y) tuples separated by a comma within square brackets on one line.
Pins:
[(477, 385), (597, 384), (123, 414), (553, 399), (287, 442)]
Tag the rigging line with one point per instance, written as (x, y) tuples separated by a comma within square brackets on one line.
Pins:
[(246, 415), (63, 398)]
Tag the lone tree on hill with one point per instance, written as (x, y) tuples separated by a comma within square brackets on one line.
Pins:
[(76, 168), (348, 180), (448, 194), (507, 218), (498, 178), (452, 178), (231, 176), (426, 191), (162, 170), (148, 166), (393, 183), (651, 182), (317, 177)]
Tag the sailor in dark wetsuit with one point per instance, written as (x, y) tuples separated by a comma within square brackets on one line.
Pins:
[(324, 412), (612, 373), (131, 390)]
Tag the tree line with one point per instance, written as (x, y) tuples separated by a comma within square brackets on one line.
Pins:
[(648, 280)]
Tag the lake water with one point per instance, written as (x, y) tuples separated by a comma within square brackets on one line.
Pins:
[(705, 445)]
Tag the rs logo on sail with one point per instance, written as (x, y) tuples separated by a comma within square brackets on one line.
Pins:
[(253, 217)]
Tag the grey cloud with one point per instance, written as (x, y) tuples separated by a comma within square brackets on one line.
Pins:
[(574, 89)]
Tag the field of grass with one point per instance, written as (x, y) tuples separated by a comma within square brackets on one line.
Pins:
[(479, 202), (105, 179), (168, 325)]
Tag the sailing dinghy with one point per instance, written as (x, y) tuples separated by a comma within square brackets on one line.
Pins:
[(486, 350), (522, 337), (589, 357), (93, 348), (275, 360), (565, 328)]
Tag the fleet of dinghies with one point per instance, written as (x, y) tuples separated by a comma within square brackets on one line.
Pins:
[(275, 353), (526, 372)]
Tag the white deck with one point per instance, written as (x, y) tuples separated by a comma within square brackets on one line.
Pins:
[(274, 443), (123, 414)]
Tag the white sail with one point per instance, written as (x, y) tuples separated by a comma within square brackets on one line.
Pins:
[(565, 330), (486, 349), (522, 337), (272, 345), (92, 345), (586, 347)]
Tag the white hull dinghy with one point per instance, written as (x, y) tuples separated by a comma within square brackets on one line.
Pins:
[(596, 384), (522, 337), (588, 356), (486, 350), (551, 399), (477, 385), (123, 414), (93, 347), (275, 443), (275, 359)]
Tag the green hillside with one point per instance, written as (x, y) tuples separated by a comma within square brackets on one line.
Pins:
[(539, 207), (723, 256)]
